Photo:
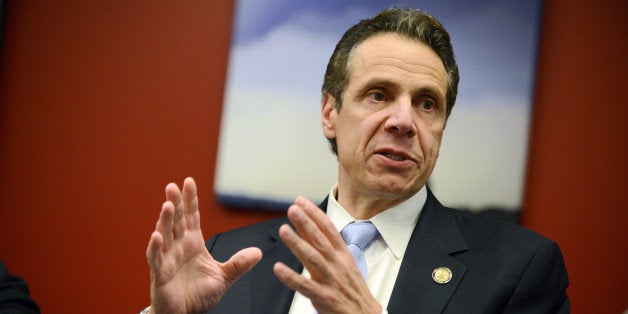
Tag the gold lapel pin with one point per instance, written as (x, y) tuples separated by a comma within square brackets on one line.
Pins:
[(441, 275)]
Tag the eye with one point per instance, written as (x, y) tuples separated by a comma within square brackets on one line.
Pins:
[(376, 96), (427, 104)]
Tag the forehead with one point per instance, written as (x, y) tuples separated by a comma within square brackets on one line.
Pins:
[(395, 56)]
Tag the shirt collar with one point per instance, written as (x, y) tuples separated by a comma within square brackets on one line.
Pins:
[(394, 224)]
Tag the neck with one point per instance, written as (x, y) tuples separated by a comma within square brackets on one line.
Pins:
[(362, 207)]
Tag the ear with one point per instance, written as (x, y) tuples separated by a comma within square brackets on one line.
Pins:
[(328, 115)]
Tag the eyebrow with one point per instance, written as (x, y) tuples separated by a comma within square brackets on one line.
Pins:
[(385, 83), (377, 82)]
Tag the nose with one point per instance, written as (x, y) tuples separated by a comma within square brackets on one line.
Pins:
[(400, 121)]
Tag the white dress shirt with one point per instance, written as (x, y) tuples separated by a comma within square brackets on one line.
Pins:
[(384, 255)]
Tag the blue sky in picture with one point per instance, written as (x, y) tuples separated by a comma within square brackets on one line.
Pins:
[(271, 143)]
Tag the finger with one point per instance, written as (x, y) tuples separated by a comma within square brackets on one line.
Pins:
[(304, 252), (153, 250), (173, 194), (322, 222), (164, 224), (190, 201), (240, 263), (295, 281), (308, 230)]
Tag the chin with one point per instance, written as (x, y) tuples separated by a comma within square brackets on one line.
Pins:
[(397, 188)]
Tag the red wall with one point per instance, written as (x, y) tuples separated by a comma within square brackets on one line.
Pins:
[(576, 180), (104, 102)]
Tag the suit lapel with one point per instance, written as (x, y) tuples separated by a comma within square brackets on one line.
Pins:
[(269, 295), (434, 238)]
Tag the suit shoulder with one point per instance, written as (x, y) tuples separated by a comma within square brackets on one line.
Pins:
[(223, 245), (487, 231)]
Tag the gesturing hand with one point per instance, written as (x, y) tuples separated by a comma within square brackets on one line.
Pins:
[(184, 277), (336, 285)]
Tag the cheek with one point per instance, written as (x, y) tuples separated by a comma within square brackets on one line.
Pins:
[(430, 142), (357, 132)]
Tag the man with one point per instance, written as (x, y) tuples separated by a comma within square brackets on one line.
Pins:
[(389, 87)]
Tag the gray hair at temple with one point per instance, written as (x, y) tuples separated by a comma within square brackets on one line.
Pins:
[(410, 23)]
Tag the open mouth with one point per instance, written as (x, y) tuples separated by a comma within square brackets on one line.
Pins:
[(393, 156)]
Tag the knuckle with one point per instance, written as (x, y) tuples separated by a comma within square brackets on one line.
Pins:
[(312, 258), (319, 241)]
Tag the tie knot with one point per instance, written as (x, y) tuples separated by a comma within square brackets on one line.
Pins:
[(359, 233)]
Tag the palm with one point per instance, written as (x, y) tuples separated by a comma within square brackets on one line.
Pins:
[(184, 276)]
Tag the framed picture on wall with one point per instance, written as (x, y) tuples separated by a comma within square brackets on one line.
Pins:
[(272, 148)]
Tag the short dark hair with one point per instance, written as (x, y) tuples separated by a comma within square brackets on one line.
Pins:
[(409, 23)]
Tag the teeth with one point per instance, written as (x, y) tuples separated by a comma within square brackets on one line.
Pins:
[(394, 157)]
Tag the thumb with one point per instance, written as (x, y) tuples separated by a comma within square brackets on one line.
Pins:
[(240, 263)]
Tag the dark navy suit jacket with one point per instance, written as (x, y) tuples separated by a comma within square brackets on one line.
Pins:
[(496, 267), (14, 294)]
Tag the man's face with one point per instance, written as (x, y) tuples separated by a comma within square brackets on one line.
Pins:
[(391, 123)]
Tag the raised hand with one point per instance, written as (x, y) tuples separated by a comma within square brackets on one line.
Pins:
[(336, 285), (184, 276)]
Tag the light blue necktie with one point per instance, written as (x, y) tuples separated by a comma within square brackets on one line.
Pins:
[(358, 235)]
